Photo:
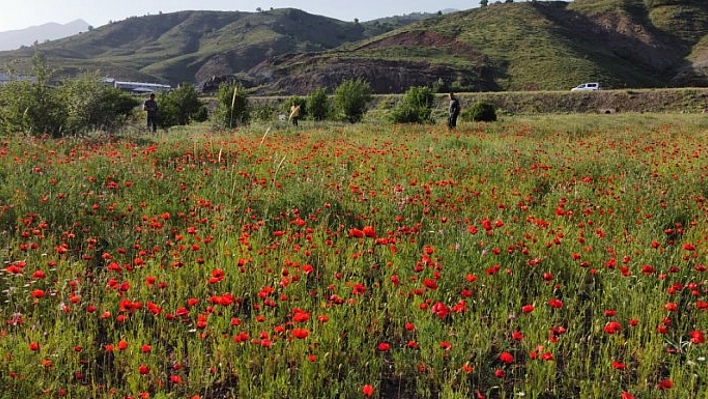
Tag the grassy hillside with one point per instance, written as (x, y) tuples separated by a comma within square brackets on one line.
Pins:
[(193, 45), (516, 46), (541, 45)]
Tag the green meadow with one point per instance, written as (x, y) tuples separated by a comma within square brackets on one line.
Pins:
[(537, 257)]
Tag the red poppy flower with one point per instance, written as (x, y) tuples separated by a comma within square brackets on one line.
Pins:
[(618, 365), (612, 327), (555, 303), (384, 346), (527, 308), (506, 357), (300, 333), (697, 337), (367, 390)]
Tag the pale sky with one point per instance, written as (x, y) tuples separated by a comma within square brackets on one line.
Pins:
[(19, 14)]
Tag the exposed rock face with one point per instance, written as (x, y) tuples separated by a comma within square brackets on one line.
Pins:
[(303, 73)]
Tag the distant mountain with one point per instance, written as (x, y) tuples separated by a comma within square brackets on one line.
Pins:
[(14, 39), (193, 46)]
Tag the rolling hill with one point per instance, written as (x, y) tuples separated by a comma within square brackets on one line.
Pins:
[(192, 46), (536, 45)]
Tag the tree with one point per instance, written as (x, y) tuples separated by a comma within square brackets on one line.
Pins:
[(350, 99), (416, 106), (90, 105), (32, 107), (181, 106), (483, 3), (318, 105), (234, 108)]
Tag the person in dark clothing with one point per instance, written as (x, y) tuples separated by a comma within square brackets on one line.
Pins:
[(453, 111), (150, 106)]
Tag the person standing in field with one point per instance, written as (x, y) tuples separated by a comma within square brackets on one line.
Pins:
[(294, 114), (150, 106), (453, 111)]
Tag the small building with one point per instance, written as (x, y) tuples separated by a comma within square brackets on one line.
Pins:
[(5, 78), (140, 87)]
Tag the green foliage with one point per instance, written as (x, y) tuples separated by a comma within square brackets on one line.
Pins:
[(91, 105), (350, 99), (234, 108), (480, 111), (32, 107), (318, 104), (76, 106), (181, 106), (416, 106), (262, 113)]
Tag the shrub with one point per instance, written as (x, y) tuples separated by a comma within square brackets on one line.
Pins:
[(91, 105), (32, 107), (350, 99), (481, 111), (262, 113), (416, 106), (77, 105), (181, 106), (318, 105), (234, 108)]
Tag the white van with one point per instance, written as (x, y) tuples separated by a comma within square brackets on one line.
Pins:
[(586, 87)]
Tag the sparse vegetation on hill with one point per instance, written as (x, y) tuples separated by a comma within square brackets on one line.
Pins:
[(539, 45)]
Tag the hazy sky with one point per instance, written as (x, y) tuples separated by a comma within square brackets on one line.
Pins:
[(18, 14)]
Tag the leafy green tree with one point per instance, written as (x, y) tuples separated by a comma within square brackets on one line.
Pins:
[(350, 99), (318, 105), (181, 106), (416, 106), (234, 107), (90, 105), (32, 107)]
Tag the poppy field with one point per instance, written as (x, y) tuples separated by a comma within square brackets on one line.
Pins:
[(551, 258)]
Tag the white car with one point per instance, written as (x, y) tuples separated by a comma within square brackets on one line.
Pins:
[(586, 87)]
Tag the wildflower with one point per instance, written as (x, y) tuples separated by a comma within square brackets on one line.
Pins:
[(697, 337), (618, 365), (527, 308), (467, 368), (300, 333), (555, 303), (612, 327), (384, 346), (367, 390), (506, 357)]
